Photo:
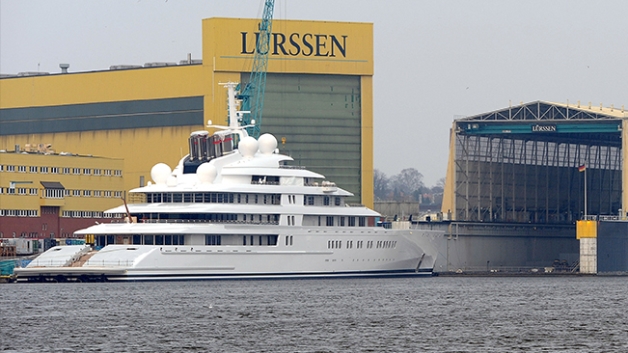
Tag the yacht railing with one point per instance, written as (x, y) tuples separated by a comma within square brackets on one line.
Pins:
[(187, 221), (261, 182), (108, 263)]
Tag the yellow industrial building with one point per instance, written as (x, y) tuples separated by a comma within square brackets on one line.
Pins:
[(44, 194), (318, 102)]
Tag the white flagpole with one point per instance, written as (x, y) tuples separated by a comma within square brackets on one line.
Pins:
[(585, 191)]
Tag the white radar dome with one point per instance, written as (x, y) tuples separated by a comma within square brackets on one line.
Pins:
[(206, 173), (160, 172), (248, 146), (267, 144)]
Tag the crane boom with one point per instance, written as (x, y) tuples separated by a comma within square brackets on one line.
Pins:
[(252, 95)]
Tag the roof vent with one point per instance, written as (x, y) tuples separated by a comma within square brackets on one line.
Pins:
[(33, 73), (124, 67), (64, 68), (158, 64)]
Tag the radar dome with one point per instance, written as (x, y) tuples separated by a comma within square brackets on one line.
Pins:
[(206, 173), (267, 143), (160, 172), (248, 146)]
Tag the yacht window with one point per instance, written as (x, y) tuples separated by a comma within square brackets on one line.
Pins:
[(310, 200), (342, 221), (244, 240), (167, 197), (148, 240), (168, 240), (198, 197), (362, 221), (291, 239), (330, 221), (176, 198), (137, 239), (351, 221), (326, 200), (239, 199), (252, 243), (187, 197), (159, 240), (337, 201), (215, 239), (256, 200)]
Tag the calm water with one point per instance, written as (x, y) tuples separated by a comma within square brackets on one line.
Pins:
[(439, 314)]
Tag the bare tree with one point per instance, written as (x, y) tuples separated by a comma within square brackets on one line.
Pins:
[(381, 185), (407, 182)]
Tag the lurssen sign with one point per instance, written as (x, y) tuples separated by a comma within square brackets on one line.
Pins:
[(299, 44), (543, 128)]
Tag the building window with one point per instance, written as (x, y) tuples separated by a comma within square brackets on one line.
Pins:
[(107, 172), (32, 169), (117, 173), (66, 170), (54, 170), (97, 172), (87, 193), (97, 193), (76, 171), (76, 193), (43, 170), (54, 193), (107, 193), (10, 168), (21, 168), (87, 171), (33, 191)]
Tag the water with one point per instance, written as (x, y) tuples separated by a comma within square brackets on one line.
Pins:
[(439, 314)]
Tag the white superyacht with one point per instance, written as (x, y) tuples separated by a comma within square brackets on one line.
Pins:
[(231, 209)]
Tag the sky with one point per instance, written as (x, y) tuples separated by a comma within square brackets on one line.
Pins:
[(435, 61)]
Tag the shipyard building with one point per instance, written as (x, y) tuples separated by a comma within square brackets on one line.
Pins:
[(519, 179), (318, 103)]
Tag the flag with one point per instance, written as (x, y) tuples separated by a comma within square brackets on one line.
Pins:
[(582, 168)]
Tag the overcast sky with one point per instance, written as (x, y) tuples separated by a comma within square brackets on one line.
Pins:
[(434, 60)]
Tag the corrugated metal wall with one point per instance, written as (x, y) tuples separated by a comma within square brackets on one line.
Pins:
[(319, 118)]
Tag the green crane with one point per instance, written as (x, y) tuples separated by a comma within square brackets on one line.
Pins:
[(252, 95)]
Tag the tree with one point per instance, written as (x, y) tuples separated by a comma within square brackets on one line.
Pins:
[(381, 185), (406, 182)]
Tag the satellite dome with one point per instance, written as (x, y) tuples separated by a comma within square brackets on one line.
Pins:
[(248, 146), (206, 173), (267, 144), (160, 172)]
